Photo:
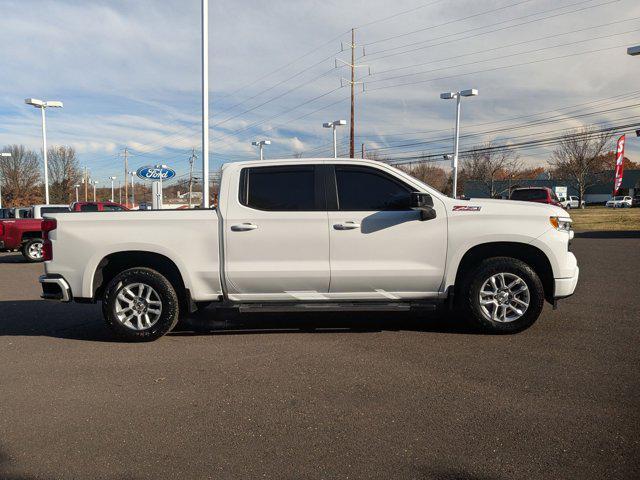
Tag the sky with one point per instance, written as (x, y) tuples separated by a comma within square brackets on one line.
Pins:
[(129, 75)]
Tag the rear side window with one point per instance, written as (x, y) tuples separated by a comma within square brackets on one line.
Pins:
[(279, 189), (533, 194), (112, 208), (89, 207), (367, 189)]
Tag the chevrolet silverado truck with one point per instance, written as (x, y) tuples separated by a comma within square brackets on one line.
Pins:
[(314, 235), (24, 234)]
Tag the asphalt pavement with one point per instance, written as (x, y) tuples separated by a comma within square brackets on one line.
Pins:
[(371, 396)]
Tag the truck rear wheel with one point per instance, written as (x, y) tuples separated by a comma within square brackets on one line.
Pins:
[(502, 295), (32, 250), (140, 305)]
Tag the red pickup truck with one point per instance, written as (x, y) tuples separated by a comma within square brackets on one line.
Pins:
[(25, 234)]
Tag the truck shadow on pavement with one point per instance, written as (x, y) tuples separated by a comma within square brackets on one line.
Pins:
[(84, 322), (15, 258)]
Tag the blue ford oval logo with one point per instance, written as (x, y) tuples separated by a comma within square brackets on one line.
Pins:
[(154, 173)]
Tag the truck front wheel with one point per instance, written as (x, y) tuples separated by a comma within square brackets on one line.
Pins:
[(502, 295), (140, 304), (32, 250)]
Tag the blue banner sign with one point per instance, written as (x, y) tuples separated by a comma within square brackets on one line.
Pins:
[(154, 173)]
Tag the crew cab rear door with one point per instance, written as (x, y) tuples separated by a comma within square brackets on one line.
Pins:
[(276, 235), (379, 247)]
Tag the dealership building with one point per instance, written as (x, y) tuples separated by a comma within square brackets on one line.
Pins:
[(597, 193)]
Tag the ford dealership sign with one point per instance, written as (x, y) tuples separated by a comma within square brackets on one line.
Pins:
[(154, 173)]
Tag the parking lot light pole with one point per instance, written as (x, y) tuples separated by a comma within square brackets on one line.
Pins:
[(77, 196), (42, 105), (95, 182), (333, 125), (472, 92), (260, 144), (112, 180), (3, 154)]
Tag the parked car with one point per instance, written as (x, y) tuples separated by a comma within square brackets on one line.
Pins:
[(25, 234), (571, 202), (619, 202), (536, 194), (97, 207), (317, 234)]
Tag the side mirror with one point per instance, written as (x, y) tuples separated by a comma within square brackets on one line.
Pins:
[(424, 204)]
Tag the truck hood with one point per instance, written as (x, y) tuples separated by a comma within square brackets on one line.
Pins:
[(511, 207)]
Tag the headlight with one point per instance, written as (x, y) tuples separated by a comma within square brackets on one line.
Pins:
[(561, 223)]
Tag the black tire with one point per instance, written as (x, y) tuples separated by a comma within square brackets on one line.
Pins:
[(29, 249), (163, 290), (475, 279)]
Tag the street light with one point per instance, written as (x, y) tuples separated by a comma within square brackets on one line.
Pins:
[(333, 125), (42, 105), (95, 182), (77, 187), (112, 180), (633, 51), (458, 96), (133, 204), (260, 144), (3, 154), (161, 167)]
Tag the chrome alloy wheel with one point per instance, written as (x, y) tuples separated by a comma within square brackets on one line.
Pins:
[(35, 250), (138, 306), (504, 297)]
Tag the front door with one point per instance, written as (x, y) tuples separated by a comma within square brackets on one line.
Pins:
[(276, 235), (379, 247)]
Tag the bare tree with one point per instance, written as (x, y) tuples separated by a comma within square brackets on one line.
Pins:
[(487, 164), (580, 157), (20, 177), (430, 174), (64, 173)]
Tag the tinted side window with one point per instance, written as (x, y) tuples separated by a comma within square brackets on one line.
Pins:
[(366, 189), (90, 207), (44, 210), (279, 188), (112, 208)]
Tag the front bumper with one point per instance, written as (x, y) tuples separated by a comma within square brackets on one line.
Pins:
[(55, 287), (564, 287)]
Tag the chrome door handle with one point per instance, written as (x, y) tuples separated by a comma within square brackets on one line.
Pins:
[(346, 226), (243, 227)]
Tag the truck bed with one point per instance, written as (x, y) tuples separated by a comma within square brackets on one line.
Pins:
[(189, 238)]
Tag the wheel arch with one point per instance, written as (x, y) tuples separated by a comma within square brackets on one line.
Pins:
[(116, 262), (527, 253)]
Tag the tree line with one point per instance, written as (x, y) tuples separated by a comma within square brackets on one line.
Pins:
[(581, 157)]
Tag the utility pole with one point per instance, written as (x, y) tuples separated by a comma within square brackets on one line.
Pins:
[(191, 160), (363, 151), (352, 82)]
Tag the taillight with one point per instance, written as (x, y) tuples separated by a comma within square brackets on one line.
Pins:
[(47, 225)]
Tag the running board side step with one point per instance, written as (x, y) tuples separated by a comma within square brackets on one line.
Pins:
[(336, 306)]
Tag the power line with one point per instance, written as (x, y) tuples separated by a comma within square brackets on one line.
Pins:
[(430, 27), (378, 57)]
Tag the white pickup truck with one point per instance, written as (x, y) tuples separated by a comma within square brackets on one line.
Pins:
[(309, 235)]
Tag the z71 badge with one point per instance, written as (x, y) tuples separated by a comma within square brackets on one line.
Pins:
[(466, 208)]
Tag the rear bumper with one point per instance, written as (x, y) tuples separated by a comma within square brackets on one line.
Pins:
[(564, 287), (54, 287)]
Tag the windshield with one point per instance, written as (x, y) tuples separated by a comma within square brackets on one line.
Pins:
[(618, 198), (529, 194)]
